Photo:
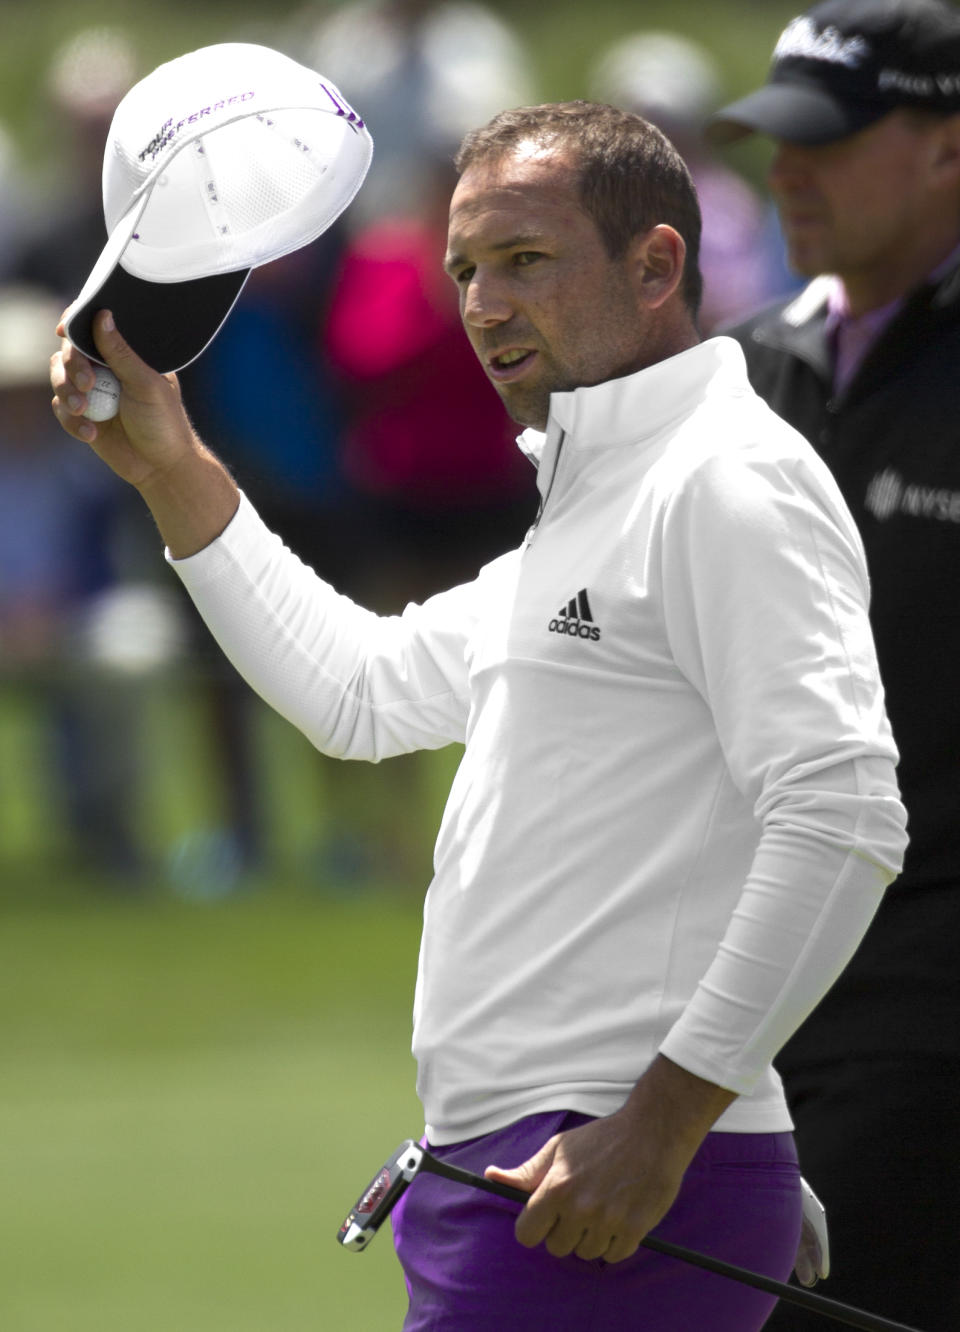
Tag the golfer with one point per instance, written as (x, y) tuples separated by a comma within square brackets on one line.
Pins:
[(676, 812), (862, 108)]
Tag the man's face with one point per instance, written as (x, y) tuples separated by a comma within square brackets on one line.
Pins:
[(544, 306), (861, 207)]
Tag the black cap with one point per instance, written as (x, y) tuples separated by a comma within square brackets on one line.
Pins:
[(845, 64)]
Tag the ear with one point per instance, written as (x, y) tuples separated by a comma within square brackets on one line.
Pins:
[(947, 156), (656, 264)]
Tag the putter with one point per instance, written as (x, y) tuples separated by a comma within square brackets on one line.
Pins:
[(393, 1179)]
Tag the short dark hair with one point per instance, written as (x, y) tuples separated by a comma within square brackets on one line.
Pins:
[(631, 176)]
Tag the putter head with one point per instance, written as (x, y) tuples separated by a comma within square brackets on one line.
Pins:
[(377, 1201)]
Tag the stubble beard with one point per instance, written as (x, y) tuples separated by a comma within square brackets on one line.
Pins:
[(529, 404), (530, 410)]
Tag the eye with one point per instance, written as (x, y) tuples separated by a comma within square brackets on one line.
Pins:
[(462, 275), (523, 258)]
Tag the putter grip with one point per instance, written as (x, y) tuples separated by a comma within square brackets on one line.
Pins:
[(447, 1171)]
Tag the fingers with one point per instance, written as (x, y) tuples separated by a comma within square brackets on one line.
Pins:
[(539, 1216), (120, 356), (621, 1247), (149, 402), (589, 1229), (573, 1212), (71, 378), (74, 372), (600, 1243), (528, 1175)]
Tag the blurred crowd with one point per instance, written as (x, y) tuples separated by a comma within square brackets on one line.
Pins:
[(341, 392)]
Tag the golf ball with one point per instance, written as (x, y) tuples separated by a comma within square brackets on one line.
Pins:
[(103, 400)]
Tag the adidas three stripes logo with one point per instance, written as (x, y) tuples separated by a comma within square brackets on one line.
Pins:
[(576, 619)]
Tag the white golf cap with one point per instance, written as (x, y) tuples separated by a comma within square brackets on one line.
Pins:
[(219, 161)]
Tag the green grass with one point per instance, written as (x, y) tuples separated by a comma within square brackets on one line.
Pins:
[(195, 1090), (191, 1098)]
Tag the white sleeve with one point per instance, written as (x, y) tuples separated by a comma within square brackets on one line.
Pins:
[(783, 950), (767, 612), (357, 684)]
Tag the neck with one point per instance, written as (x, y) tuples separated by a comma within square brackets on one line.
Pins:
[(675, 335), (873, 289)]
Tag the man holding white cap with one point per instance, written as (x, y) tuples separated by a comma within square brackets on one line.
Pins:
[(676, 811), (863, 105), (221, 160)]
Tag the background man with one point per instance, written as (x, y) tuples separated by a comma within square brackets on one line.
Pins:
[(676, 811), (863, 104)]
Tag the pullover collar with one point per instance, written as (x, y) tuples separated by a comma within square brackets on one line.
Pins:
[(639, 407)]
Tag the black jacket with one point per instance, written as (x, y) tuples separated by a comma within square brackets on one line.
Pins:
[(892, 440)]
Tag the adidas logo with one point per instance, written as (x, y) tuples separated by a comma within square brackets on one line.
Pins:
[(575, 619)]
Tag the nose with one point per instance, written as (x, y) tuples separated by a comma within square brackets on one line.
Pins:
[(788, 165), (484, 302)]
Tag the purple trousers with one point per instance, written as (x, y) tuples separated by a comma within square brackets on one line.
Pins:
[(465, 1271)]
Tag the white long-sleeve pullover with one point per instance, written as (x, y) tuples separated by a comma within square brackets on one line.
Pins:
[(677, 809)]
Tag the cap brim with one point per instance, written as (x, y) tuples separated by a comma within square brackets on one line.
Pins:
[(796, 112), (168, 324)]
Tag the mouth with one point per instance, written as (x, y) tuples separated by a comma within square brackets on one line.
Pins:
[(511, 364), (799, 221)]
